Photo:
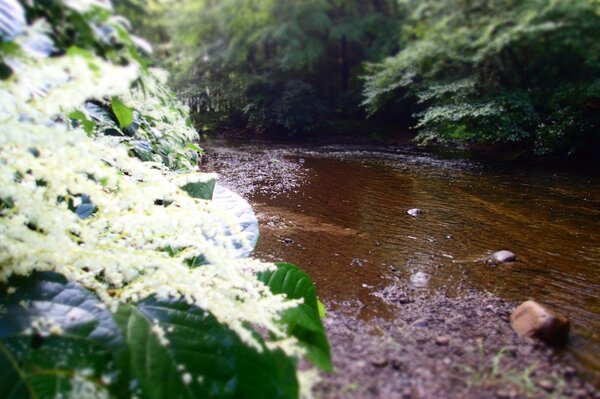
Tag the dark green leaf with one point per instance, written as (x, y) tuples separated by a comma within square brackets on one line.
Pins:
[(202, 359), (12, 379), (53, 330), (202, 190)]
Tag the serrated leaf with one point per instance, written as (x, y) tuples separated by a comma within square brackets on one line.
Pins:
[(303, 321), (123, 113), (202, 359), (288, 279)]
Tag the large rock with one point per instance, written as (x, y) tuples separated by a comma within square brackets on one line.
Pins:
[(533, 320)]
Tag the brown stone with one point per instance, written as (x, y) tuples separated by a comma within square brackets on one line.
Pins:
[(533, 320), (442, 340), (546, 385), (379, 362)]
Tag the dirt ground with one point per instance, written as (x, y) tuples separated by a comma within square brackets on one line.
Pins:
[(443, 347), (438, 346)]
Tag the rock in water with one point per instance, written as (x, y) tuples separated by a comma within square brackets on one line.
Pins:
[(414, 212), (419, 279), (533, 320), (502, 257)]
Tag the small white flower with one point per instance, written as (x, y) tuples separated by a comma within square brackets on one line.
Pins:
[(186, 378)]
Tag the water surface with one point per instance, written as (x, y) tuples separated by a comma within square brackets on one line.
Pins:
[(345, 223)]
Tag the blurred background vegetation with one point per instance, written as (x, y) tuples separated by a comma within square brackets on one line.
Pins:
[(522, 76)]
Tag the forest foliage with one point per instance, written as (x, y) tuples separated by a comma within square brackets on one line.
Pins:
[(524, 73), (124, 271), (498, 71), (272, 65)]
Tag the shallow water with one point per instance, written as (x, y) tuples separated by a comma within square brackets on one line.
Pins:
[(345, 222)]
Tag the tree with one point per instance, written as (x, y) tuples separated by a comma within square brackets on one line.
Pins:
[(506, 71), (229, 56)]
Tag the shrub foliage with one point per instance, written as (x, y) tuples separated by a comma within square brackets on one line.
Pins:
[(497, 71)]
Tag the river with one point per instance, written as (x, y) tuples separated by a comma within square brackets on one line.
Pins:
[(341, 214)]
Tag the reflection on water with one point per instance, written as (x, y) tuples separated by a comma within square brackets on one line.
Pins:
[(348, 226)]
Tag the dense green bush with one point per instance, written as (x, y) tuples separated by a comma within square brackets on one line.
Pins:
[(121, 274), (505, 71)]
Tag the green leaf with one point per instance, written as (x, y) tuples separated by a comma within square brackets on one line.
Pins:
[(58, 336), (87, 124), (303, 321), (123, 113), (202, 358), (194, 147), (288, 279), (322, 310), (12, 379), (202, 190)]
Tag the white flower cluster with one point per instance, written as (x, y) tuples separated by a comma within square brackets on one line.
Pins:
[(47, 168), (83, 387)]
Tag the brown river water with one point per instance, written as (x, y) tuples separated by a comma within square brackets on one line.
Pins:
[(341, 215)]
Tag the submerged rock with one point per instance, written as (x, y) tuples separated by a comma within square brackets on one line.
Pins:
[(419, 279), (503, 256), (414, 212), (533, 320)]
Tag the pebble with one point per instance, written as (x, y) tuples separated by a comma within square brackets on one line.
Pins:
[(502, 256), (546, 385), (420, 323), (506, 393), (358, 262), (403, 300), (442, 340), (414, 212), (570, 372), (379, 362)]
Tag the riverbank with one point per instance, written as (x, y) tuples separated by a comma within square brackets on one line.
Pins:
[(386, 137), (441, 346), (390, 337)]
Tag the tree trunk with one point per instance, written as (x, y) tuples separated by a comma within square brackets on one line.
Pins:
[(344, 67)]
